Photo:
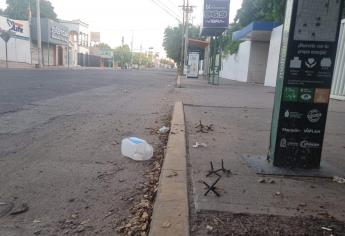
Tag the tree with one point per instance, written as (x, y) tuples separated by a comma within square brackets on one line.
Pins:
[(137, 58), (228, 45), (173, 38), (18, 9), (143, 59), (122, 55), (103, 46), (260, 10)]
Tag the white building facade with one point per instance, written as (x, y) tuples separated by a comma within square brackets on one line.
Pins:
[(79, 41), (250, 62)]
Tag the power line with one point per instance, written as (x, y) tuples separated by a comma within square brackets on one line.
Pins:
[(166, 10), (171, 2), (171, 10)]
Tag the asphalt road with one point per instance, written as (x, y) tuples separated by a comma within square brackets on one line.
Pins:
[(23, 87), (59, 146)]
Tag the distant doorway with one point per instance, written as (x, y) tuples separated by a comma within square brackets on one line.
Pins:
[(60, 56)]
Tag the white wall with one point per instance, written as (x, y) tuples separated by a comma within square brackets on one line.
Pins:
[(235, 67), (338, 86), (248, 64), (273, 57), (78, 27), (18, 50), (258, 62)]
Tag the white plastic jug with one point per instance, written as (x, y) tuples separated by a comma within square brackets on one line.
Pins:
[(136, 149)]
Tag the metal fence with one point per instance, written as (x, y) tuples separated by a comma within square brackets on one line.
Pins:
[(89, 60), (338, 87)]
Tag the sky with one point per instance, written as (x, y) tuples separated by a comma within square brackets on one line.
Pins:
[(141, 20)]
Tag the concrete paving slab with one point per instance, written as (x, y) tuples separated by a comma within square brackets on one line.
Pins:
[(244, 130)]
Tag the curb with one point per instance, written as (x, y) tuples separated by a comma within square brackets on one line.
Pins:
[(171, 211)]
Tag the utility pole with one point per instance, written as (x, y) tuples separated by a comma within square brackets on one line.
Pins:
[(189, 9), (132, 49), (183, 34), (39, 35), (30, 25), (141, 49), (186, 37)]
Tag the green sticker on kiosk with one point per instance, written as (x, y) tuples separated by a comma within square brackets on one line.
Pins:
[(290, 94), (306, 95)]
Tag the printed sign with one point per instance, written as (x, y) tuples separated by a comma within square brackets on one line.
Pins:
[(59, 33), (15, 26), (20, 29), (310, 44), (193, 65), (216, 17)]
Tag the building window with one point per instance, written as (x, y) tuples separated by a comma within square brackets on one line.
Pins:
[(83, 39), (86, 40), (80, 39)]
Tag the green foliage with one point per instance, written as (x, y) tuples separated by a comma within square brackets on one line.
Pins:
[(228, 45), (143, 59), (122, 54), (137, 58), (103, 46), (47, 9), (173, 41), (18, 9), (260, 10)]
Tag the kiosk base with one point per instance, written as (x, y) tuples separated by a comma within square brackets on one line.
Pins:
[(261, 166)]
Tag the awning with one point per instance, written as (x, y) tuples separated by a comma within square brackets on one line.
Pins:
[(256, 31), (198, 43)]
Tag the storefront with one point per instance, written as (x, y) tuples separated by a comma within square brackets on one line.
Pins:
[(19, 45), (79, 41), (55, 43)]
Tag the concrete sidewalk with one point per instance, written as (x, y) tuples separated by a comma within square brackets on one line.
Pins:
[(241, 117)]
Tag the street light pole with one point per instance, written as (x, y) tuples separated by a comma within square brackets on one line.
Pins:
[(39, 36)]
